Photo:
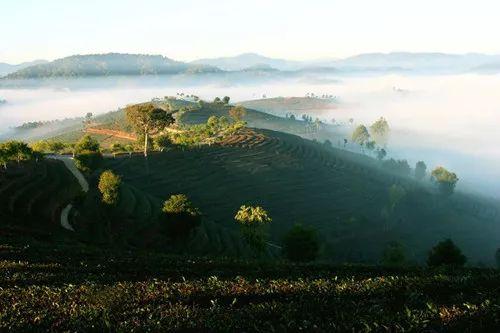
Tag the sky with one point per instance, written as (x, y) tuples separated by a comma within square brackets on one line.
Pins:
[(191, 29)]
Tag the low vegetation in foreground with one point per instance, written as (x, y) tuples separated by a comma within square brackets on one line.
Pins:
[(67, 288)]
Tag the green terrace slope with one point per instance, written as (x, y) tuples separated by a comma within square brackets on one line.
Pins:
[(295, 105), (344, 195), (80, 289), (33, 194)]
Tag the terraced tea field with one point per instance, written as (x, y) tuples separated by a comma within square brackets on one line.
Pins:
[(34, 193), (298, 181)]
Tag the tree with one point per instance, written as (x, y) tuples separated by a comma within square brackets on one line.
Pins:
[(129, 149), (226, 100), (360, 135), (109, 186), (420, 170), (252, 221), (87, 143), (380, 131), (300, 244), (161, 142), (370, 145), (497, 258), (117, 148), (17, 150), (181, 215), (4, 156), (445, 180), (146, 119), (217, 100), (237, 113), (88, 118), (446, 253), (400, 167), (396, 195), (394, 255), (87, 154), (381, 154)]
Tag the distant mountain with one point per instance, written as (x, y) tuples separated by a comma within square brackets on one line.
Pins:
[(107, 65), (8, 68), (379, 62), (415, 61), (249, 60)]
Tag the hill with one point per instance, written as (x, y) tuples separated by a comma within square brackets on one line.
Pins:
[(108, 65), (8, 68), (294, 105), (345, 196), (248, 60)]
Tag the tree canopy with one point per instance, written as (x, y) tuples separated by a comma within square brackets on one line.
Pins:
[(420, 170), (360, 135), (446, 253), (445, 179), (109, 186), (380, 131), (237, 113), (147, 119)]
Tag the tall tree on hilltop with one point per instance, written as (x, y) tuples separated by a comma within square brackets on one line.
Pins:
[(147, 120)]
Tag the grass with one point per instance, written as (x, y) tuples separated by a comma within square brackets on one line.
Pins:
[(66, 288)]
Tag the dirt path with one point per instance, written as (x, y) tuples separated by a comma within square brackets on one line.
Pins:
[(70, 164)]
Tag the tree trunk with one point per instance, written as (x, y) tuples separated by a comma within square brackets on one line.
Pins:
[(146, 143)]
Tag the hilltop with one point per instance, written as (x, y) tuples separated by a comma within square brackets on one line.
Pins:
[(108, 65)]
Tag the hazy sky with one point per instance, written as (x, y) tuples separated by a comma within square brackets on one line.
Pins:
[(190, 29)]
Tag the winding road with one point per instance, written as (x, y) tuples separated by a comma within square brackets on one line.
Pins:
[(70, 164)]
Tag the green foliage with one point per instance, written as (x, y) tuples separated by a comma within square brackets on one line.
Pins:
[(445, 180), (117, 148), (86, 160), (400, 167), (48, 146), (380, 131), (215, 130), (181, 215), (14, 151), (446, 253), (87, 154), (360, 135), (420, 170), (381, 154), (396, 194), (237, 113), (161, 142), (394, 255), (87, 144), (109, 186), (226, 100), (147, 119), (300, 244), (252, 221)]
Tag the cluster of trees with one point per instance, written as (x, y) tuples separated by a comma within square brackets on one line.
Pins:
[(444, 253), (377, 135), (225, 100), (213, 131), (17, 151), (51, 146)]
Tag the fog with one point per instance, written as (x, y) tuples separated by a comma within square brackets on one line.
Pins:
[(442, 120)]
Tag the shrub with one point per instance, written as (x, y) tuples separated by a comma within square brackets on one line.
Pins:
[(87, 161), (252, 221), (181, 215), (109, 186), (393, 255), (446, 253), (300, 244)]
